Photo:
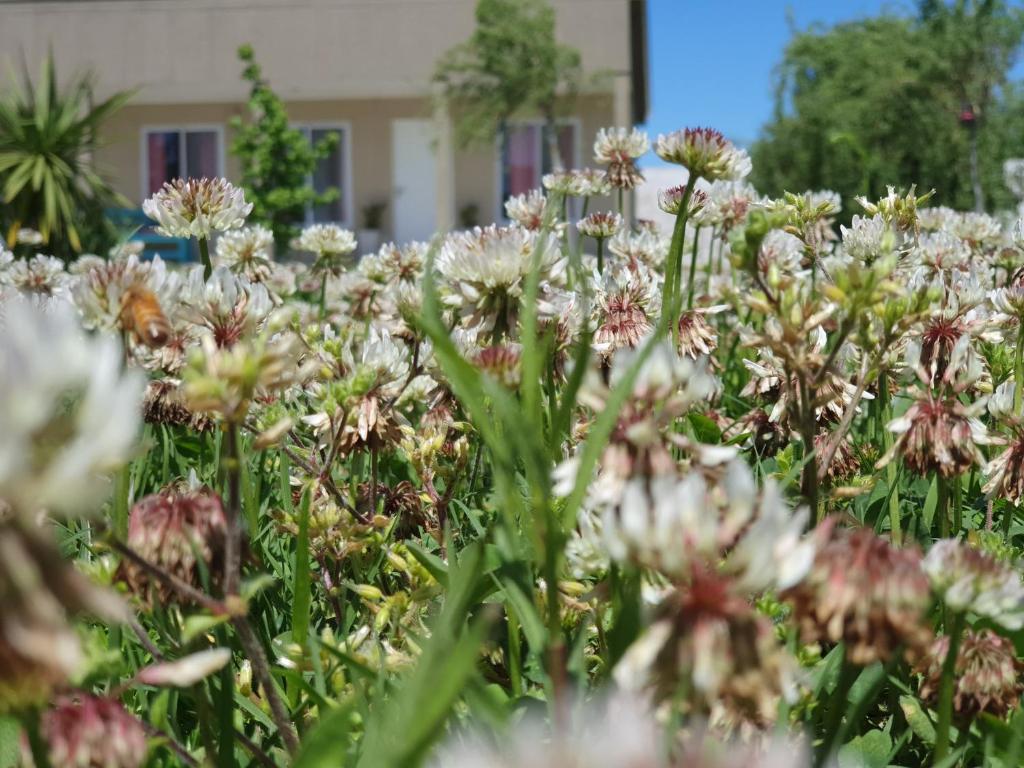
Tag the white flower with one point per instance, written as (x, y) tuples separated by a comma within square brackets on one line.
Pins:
[(968, 579), (326, 240), (228, 306), (68, 413), (28, 236), (600, 225), (105, 288), (197, 208), (867, 239), (705, 152), (248, 251), (527, 210), (614, 144), (42, 275), (485, 269)]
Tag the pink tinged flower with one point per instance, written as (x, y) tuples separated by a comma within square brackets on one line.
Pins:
[(705, 152), (600, 225), (618, 149), (987, 674), (863, 592), (86, 730)]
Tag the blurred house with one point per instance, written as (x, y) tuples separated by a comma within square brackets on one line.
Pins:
[(359, 68)]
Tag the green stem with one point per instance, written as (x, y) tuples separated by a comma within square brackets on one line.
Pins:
[(1018, 370), (673, 266), (891, 470), (204, 256), (323, 296), (693, 268), (942, 505), (945, 708), (600, 255), (514, 653), (36, 742), (848, 673)]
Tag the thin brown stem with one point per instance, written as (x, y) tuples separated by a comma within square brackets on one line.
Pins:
[(261, 668), (183, 588), (834, 441)]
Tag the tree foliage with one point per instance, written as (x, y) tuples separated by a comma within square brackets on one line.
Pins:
[(878, 101), (277, 159), (48, 180), (511, 64)]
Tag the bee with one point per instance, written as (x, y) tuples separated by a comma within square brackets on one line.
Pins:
[(143, 317)]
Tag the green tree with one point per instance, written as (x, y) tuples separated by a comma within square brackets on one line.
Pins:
[(511, 64), (277, 159), (878, 101), (48, 140)]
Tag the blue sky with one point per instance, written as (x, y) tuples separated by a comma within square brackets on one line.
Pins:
[(712, 61)]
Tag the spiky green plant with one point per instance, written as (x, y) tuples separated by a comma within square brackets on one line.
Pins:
[(48, 141)]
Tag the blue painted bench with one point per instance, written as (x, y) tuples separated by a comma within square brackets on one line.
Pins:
[(133, 220)]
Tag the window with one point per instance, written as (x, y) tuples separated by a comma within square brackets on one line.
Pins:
[(525, 156), (331, 172), (172, 153)]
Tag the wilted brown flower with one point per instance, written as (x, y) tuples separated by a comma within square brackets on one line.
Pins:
[(937, 434), (401, 501), (987, 675), (1006, 472), (175, 530), (863, 592), (164, 403), (87, 731), (696, 336), (728, 654)]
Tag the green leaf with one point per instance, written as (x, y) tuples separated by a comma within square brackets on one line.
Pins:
[(10, 742), (705, 429), (195, 626), (326, 745), (301, 585), (868, 751), (918, 719)]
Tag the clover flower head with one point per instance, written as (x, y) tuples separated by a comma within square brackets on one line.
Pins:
[(705, 152), (197, 207), (68, 412), (968, 579)]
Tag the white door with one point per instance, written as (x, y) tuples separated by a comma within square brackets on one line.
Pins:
[(413, 180)]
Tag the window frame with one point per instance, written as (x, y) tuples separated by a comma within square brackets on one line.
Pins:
[(181, 129), (345, 128), (574, 122)]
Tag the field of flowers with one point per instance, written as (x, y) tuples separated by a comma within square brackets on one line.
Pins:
[(567, 492)]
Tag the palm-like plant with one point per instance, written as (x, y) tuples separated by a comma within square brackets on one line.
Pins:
[(48, 138)]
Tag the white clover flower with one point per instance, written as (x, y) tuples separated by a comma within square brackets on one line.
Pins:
[(28, 236), (671, 200), (68, 412), (967, 579), (588, 182), (979, 230), (705, 152), (484, 271), (227, 306), (248, 251), (326, 240), (197, 208), (86, 263), (1000, 402), (941, 252), (641, 247), (105, 290), (527, 210), (600, 225), (614, 144), (41, 275), (867, 239)]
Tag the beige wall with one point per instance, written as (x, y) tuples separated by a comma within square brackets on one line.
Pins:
[(183, 51), (476, 179)]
